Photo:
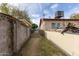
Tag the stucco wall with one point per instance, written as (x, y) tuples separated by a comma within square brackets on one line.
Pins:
[(12, 35), (5, 38), (42, 25), (22, 34), (46, 25)]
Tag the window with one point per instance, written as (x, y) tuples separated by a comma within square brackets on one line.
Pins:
[(55, 25), (58, 25)]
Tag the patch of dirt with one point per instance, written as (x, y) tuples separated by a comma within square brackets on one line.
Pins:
[(32, 47), (38, 45)]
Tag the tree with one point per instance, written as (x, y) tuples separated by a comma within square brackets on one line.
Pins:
[(20, 14), (74, 16), (14, 11), (34, 26), (4, 8), (17, 13)]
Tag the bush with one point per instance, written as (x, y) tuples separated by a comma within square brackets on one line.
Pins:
[(34, 26), (42, 33)]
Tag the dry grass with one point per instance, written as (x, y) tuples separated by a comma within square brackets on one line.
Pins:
[(41, 46), (47, 48), (42, 33)]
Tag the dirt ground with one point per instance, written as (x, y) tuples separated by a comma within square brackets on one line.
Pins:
[(32, 47), (38, 46)]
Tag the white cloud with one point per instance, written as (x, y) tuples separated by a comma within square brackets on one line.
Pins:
[(46, 12), (54, 9), (72, 11), (36, 21), (75, 10), (35, 15), (33, 8), (14, 4), (54, 6)]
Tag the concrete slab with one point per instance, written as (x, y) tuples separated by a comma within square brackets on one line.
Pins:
[(67, 42)]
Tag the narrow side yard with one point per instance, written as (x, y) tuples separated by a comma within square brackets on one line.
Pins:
[(38, 45), (31, 48)]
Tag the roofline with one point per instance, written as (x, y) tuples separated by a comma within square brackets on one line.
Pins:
[(47, 19)]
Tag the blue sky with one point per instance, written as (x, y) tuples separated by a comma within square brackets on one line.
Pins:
[(36, 10)]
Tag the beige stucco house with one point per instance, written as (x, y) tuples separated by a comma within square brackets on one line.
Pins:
[(56, 24)]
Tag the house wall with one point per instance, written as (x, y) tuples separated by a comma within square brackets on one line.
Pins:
[(47, 25), (42, 25)]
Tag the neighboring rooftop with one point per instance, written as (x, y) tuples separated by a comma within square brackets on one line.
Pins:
[(48, 19)]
